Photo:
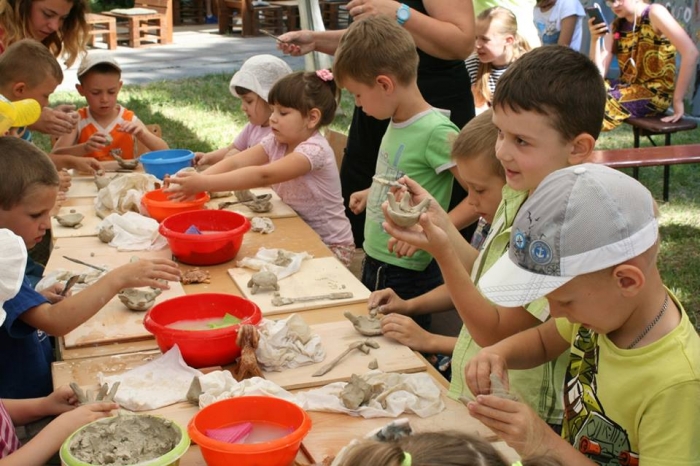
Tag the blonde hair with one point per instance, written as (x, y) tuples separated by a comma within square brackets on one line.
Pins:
[(478, 139), (70, 40), (447, 448), (29, 62), (376, 46), (508, 26)]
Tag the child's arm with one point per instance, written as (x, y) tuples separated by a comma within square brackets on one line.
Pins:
[(60, 318), (146, 138), (387, 301), (600, 54), (215, 156), (662, 20), (463, 214), (80, 164), (406, 331), (253, 156), (67, 144), (566, 31), (358, 201)]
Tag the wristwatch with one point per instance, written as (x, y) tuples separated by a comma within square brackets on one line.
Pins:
[(402, 14)]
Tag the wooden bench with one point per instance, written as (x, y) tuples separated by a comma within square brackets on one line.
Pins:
[(156, 28), (269, 17), (649, 157), (105, 26)]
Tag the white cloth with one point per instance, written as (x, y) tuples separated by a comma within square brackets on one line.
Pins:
[(123, 193), (287, 343), (134, 232), (12, 266), (265, 259)]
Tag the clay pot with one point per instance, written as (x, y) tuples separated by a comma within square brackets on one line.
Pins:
[(402, 213), (138, 299), (72, 219)]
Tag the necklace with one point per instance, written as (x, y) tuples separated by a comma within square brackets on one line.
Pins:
[(651, 324)]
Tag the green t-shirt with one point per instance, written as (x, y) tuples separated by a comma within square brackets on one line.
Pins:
[(419, 148)]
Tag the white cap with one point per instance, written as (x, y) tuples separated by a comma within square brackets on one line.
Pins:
[(13, 262), (258, 74), (579, 220), (97, 58)]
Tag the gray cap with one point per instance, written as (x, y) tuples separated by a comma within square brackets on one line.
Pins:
[(258, 74), (579, 220), (13, 263)]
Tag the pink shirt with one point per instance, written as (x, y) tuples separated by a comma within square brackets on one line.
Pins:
[(9, 442), (250, 136), (316, 196)]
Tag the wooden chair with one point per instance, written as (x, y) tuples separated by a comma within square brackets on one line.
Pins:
[(253, 18), (104, 26), (156, 28), (338, 141)]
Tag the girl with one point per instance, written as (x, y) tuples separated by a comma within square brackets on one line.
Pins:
[(252, 85), (645, 39), (447, 448), (296, 160), (498, 44), (559, 22)]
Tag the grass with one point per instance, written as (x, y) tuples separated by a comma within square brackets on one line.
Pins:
[(201, 115)]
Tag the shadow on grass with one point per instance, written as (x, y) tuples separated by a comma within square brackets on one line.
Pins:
[(678, 259)]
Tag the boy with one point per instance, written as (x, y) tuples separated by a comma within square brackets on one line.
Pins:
[(588, 239), (377, 62), (60, 402), (538, 134), (105, 127), (28, 188), (29, 71)]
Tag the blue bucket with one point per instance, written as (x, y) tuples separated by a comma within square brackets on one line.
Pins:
[(166, 162)]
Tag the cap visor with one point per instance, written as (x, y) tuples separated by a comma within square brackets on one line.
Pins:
[(508, 285)]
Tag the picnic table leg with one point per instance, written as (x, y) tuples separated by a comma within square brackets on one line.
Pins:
[(112, 34)]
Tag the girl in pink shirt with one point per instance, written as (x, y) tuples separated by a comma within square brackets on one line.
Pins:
[(296, 160)]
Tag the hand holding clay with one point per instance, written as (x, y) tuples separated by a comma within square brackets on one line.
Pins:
[(185, 185), (72, 420), (482, 368), (406, 331), (154, 273), (386, 301)]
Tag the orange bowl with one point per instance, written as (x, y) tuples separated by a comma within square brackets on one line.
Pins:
[(159, 207), (267, 409)]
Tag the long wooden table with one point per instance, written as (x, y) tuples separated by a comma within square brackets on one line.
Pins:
[(330, 432)]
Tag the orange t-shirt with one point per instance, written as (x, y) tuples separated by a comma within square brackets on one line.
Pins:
[(87, 126)]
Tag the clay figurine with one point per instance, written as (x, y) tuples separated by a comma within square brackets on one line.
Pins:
[(104, 393), (403, 214), (247, 365), (101, 180), (365, 325), (362, 345), (263, 279), (195, 275), (128, 164), (356, 393), (71, 219), (106, 234), (137, 299)]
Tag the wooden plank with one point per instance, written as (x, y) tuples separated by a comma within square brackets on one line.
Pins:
[(647, 156), (335, 337), (82, 187), (317, 276), (89, 226), (279, 208)]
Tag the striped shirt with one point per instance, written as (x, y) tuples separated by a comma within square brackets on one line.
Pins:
[(8, 438), (473, 68)]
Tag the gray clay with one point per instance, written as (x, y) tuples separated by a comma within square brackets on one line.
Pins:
[(125, 440), (356, 393), (368, 326), (137, 299), (402, 213), (219, 194), (106, 234), (244, 195), (498, 389), (124, 163), (263, 280), (259, 206), (70, 220), (373, 364)]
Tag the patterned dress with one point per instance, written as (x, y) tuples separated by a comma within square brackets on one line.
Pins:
[(647, 73)]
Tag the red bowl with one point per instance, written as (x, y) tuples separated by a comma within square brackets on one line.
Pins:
[(278, 452), (220, 242), (158, 206), (201, 348)]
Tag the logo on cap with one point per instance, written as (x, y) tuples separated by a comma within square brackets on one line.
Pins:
[(520, 240), (540, 252)]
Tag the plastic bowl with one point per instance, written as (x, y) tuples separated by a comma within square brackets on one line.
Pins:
[(279, 452), (220, 242), (201, 348), (158, 206), (166, 162), (171, 458)]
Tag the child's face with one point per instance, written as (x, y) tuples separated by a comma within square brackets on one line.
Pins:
[(484, 185), (47, 16), (101, 91), (288, 124), (256, 109), (31, 218), (41, 92), (491, 45), (528, 147), (371, 99)]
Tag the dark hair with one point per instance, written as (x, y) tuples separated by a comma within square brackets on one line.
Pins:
[(24, 166), (478, 139), (100, 68), (557, 82), (30, 62), (241, 91), (304, 91)]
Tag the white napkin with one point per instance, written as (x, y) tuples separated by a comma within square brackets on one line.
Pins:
[(287, 343), (161, 382), (220, 385), (265, 259), (134, 232), (123, 194)]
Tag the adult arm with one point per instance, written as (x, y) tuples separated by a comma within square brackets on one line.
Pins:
[(298, 43)]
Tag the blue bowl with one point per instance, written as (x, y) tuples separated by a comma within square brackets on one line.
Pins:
[(166, 162)]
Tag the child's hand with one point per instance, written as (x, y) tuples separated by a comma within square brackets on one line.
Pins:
[(358, 201), (386, 301), (202, 159), (135, 127), (425, 235), (85, 164), (60, 401), (406, 331), (72, 420), (96, 142), (597, 30), (478, 372), (401, 248), (54, 122), (53, 293), (64, 180), (185, 185), (146, 272)]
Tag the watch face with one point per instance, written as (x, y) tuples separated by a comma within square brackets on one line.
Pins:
[(403, 13)]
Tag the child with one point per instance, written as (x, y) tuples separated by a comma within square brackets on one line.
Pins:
[(376, 61), (446, 448), (559, 22), (498, 44), (28, 187), (644, 38), (538, 134), (29, 71), (251, 84), (105, 127), (474, 151), (61, 402), (296, 160), (588, 240)]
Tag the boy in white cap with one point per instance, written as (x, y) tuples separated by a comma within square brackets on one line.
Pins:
[(105, 127), (251, 84), (588, 240)]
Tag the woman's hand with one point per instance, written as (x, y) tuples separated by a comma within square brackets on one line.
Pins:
[(678, 112), (597, 30), (296, 43)]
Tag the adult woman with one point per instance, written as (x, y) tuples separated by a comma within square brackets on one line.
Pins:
[(645, 39), (444, 34)]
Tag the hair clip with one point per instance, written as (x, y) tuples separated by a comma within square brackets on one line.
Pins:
[(616, 36), (325, 75), (517, 463), (406, 459)]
